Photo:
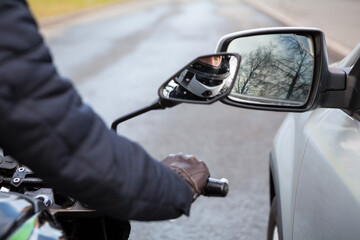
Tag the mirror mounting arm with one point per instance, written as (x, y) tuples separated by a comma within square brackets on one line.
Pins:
[(156, 105), (333, 92), (336, 80), (345, 97), (342, 91)]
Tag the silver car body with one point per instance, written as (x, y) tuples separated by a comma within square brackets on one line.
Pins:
[(316, 159)]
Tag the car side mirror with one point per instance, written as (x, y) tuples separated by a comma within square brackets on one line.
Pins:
[(281, 69)]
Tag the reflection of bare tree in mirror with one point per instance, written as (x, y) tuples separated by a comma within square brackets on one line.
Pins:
[(255, 68), (296, 64), (278, 71)]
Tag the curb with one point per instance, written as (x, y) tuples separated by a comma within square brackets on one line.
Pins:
[(335, 47)]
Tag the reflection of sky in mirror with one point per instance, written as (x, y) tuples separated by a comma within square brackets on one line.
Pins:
[(303, 41), (306, 43), (247, 44)]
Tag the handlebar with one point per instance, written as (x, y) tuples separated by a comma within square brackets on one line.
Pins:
[(216, 187), (213, 188)]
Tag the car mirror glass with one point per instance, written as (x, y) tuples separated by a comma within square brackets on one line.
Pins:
[(276, 69)]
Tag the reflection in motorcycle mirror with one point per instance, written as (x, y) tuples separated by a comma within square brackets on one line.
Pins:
[(204, 80)]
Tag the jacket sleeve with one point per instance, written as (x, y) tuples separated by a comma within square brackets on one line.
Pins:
[(45, 125)]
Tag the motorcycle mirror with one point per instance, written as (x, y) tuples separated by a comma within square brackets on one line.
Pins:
[(204, 80)]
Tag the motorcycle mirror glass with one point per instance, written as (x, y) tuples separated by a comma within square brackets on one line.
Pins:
[(204, 80), (276, 69)]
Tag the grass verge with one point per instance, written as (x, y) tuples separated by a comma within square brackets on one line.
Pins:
[(49, 8)]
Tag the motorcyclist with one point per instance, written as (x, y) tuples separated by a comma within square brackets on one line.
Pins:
[(45, 125), (204, 79)]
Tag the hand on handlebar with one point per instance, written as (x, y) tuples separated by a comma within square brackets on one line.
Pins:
[(193, 171)]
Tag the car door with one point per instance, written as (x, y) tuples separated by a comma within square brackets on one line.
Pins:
[(328, 195)]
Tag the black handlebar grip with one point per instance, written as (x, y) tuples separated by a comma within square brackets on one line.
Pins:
[(216, 188)]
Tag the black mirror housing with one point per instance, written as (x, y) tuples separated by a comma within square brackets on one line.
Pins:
[(321, 77)]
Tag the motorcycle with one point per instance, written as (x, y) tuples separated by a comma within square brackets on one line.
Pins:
[(32, 209)]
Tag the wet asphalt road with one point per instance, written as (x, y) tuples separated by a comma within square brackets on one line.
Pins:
[(117, 59)]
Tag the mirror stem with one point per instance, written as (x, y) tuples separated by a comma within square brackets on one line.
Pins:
[(157, 104)]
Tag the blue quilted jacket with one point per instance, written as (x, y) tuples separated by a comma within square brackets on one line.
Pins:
[(45, 125)]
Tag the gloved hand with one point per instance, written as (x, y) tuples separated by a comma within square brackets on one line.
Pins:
[(193, 171)]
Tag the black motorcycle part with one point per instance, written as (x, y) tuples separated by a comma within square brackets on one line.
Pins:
[(94, 228), (7, 165), (216, 188)]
